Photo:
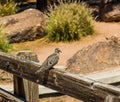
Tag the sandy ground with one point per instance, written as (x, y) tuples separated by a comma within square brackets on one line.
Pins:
[(44, 49)]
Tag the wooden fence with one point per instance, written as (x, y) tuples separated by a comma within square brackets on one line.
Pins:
[(77, 86)]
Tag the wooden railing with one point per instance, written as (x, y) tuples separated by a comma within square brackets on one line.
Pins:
[(77, 86)]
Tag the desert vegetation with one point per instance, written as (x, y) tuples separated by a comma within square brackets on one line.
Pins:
[(8, 8), (4, 44), (69, 22)]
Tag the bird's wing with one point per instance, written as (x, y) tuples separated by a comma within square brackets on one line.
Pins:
[(51, 60)]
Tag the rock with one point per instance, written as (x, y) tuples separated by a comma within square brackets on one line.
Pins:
[(99, 56), (110, 11), (25, 26)]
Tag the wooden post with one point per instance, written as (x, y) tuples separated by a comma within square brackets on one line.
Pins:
[(77, 86), (41, 4), (6, 96), (24, 88)]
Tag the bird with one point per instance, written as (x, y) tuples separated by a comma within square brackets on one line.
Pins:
[(50, 61)]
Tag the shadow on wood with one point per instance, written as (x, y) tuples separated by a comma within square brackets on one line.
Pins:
[(25, 88), (77, 86)]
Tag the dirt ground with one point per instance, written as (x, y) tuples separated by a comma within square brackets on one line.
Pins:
[(44, 49)]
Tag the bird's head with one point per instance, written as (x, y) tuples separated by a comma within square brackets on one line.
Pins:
[(57, 50)]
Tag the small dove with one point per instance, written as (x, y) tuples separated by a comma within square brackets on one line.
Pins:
[(50, 61)]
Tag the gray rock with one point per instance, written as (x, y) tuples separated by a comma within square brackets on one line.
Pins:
[(99, 56), (25, 26), (110, 11)]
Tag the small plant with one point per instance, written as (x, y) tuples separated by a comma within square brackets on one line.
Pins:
[(4, 45), (8, 8), (69, 22)]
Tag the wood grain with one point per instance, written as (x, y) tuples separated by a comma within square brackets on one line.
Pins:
[(77, 86), (25, 88), (8, 97)]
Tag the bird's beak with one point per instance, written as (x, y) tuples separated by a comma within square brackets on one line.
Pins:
[(61, 51)]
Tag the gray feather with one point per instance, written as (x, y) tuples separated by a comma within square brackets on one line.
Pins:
[(50, 61)]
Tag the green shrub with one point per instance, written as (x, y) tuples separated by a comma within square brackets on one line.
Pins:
[(8, 8), (4, 45), (69, 22)]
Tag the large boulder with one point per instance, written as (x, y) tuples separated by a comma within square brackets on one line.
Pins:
[(99, 56), (110, 11), (25, 26)]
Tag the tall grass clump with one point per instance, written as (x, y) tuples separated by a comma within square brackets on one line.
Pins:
[(4, 45), (8, 8), (69, 22)]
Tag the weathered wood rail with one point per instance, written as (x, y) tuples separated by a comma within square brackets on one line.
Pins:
[(8, 97), (77, 86)]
